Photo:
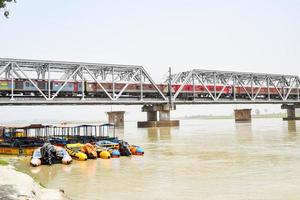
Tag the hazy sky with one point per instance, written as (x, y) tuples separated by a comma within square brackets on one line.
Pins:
[(243, 35)]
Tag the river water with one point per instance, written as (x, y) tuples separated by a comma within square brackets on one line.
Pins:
[(202, 159)]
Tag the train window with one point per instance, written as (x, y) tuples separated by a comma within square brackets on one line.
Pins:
[(26, 84)]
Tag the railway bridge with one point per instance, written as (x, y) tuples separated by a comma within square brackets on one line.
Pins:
[(44, 82)]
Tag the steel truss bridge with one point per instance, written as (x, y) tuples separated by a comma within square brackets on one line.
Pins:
[(278, 88)]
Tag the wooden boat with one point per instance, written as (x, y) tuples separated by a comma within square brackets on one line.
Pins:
[(20, 145), (7, 150)]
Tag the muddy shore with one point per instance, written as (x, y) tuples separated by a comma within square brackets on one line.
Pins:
[(16, 185)]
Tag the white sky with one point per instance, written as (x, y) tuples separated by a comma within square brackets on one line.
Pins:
[(241, 35)]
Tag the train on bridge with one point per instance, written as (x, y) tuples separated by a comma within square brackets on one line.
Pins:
[(25, 88)]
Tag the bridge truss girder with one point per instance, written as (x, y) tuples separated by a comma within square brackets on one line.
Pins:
[(255, 82), (31, 70)]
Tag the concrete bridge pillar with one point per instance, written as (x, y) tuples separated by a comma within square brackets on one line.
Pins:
[(242, 115), (164, 116), (152, 116), (290, 111), (116, 117)]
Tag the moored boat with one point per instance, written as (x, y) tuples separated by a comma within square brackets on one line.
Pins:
[(75, 151), (104, 154), (114, 153), (136, 150), (50, 154), (82, 151), (8, 150), (119, 148), (107, 144), (124, 148), (89, 150)]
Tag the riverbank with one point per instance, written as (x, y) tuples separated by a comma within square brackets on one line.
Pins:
[(17, 185)]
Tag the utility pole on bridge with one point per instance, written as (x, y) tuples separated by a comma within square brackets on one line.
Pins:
[(170, 88), (163, 110)]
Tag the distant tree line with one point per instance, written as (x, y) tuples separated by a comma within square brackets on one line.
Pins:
[(3, 4)]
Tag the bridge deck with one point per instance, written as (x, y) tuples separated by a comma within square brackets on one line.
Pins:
[(129, 101)]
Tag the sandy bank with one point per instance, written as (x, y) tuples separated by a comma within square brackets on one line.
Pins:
[(16, 185)]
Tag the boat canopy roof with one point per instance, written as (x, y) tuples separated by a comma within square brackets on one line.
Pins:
[(108, 124), (36, 126), (31, 126)]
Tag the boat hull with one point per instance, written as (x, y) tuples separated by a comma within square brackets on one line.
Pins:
[(27, 151)]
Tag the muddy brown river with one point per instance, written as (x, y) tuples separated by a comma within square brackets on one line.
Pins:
[(202, 159)]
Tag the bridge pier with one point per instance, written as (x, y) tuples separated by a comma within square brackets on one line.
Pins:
[(152, 116), (164, 116), (116, 117), (290, 111), (242, 115)]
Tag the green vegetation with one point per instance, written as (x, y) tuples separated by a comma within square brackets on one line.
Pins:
[(3, 4), (3, 162)]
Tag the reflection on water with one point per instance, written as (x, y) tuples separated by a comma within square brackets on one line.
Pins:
[(292, 126), (243, 132), (153, 134), (156, 134), (165, 133), (203, 159), (292, 133)]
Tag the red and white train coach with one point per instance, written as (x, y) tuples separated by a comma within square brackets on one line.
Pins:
[(93, 89)]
